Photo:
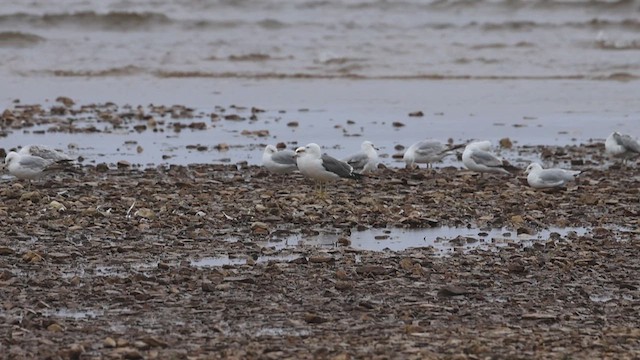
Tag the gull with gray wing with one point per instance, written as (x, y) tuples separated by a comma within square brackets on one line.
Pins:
[(44, 152), (476, 157), (540, 178), (427, 152), (622, 146), (366, 160), (279, 162), (322, 168)]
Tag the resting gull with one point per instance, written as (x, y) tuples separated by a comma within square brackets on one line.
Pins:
[(622, 146), (540, 178), (279, 162), (322, 168), (476, 157), (427, 152), (44, 152), (366, 160), (31, 167)]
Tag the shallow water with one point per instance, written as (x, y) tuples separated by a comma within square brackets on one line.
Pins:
[(443, 240), (73, 314), (339, 115), (539, 72), (215, 261)]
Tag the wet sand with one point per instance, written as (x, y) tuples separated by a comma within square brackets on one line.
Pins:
[(187, 262)]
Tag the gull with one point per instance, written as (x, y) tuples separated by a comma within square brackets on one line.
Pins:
[(366, 160), (279, 162), (540, 178), (622, 146), (476, 157), (29, 167), (427, 152), (44, 152), (322, 168)]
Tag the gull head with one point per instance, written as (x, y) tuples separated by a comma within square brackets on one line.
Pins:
[(313, 149), (480, 145), (366, 145), (532, 167), (300, 151), (10, 157), (270, 149)]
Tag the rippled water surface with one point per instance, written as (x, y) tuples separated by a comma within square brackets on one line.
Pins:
[(333, 38), (541, 72)]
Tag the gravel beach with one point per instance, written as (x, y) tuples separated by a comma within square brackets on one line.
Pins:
[(186, 262)]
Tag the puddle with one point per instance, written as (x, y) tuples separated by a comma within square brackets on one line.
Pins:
[(73, 314), (601, 298), (281, 332), (442, 239), (216, 261)]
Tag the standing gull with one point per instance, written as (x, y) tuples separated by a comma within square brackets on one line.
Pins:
[(540, 178), (322, 168), (622, 146), (366, 160), (279, 162), (476, 157), (427, 152)]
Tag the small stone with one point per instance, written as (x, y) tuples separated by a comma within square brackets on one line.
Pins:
[(314, 318), (372, 270), (406, 264), (397, 124), (4, 250), (342, 275), (55, 328), (319, 259), (222, 147), (55, 205), (343, 285), (145, 213), (416, 114), (453, 290), (109, 342), (123, 164), (66, 101), (506, 143)]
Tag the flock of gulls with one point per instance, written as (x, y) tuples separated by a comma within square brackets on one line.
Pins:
[(477, 156), (34, 161)]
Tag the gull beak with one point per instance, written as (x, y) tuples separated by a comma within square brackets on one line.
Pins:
[(299, 152)]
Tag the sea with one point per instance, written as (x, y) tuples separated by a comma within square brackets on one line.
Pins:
[(536, 71)]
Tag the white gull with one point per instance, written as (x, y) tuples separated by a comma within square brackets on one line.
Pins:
[(540, 178), (366, 160)]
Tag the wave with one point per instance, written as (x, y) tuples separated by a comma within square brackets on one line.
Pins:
[(111, 20), (133, 70), (117, 71), (19, 39), (596, 24), (618, 45), (471, 4), (621, 76)]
